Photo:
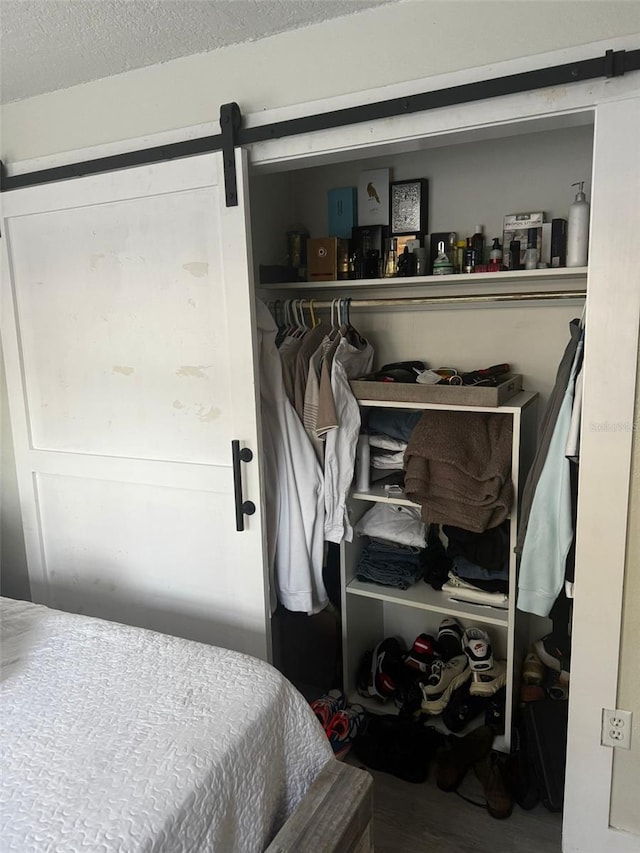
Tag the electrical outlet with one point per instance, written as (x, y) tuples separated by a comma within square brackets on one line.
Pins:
[(616, 728)]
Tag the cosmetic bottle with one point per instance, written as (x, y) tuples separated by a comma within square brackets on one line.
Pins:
[(531, 255), (495, 256), (578, 229), (514, 255), (442, 264), (461, 245), (477, 243), (451, 250), (469, 263)]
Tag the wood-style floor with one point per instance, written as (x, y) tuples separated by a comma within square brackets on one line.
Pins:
[(422, 819)]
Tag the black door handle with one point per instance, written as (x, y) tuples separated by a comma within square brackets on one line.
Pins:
[(242, 507)]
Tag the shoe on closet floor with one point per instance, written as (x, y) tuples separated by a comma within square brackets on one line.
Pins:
[(554, 686), (445, 677), (463, 708), (343, 729), (498, 797), (408, 696), (477, 647), (489, 682), (422, 653), (495, 714), (461, 753), (449, 642), (381, 671), (326, 706), (553, 657), (532, 670)]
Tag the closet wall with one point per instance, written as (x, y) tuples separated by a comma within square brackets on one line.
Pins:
[(474, 182)]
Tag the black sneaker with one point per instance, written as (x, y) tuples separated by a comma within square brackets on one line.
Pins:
[(449, 641), (381, 671), (462, 708), (494, 716), (553, 657), (422, 654)]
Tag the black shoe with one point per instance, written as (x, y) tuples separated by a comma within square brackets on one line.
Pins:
[(400, 747), (459, 755), (494, 716), (462, 708), (381, 672), (449, 642), (498, 797)]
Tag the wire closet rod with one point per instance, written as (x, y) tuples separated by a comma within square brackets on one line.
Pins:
[(403, 301)]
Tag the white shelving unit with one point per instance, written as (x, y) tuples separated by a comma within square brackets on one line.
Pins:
[(371, 612)]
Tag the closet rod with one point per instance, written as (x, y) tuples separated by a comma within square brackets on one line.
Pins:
[(403, 301)]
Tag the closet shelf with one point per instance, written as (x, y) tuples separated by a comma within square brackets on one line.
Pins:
[(564, 277), (424, 597), (514, 404), (378, 495)]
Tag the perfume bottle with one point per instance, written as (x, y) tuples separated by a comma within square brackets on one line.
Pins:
[(442, 264), (468, 264), (391, 258), (495, 256), (477, 243)]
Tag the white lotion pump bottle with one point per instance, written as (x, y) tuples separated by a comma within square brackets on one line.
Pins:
[(578, 229)]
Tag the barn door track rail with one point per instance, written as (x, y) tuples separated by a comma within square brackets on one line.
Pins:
[(614, 63)]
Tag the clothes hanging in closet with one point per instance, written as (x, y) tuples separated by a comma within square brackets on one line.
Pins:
[(353, 357), (545, 433), (547, 530), (294, 487)]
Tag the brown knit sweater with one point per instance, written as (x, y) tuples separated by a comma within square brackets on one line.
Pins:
[(458, 468)]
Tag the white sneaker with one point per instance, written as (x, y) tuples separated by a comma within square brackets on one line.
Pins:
[(490, 681), (444, 679), (477, 647)]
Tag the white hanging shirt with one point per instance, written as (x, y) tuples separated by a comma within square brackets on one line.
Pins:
[(349, 362), (293, 487)]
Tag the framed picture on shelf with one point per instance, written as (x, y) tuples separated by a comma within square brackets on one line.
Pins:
[(409, 203), (373, 197)]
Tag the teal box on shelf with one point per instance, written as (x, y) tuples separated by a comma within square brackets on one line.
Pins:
[(343, 211)]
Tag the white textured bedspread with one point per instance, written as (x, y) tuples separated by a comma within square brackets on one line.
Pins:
[(119, 739)]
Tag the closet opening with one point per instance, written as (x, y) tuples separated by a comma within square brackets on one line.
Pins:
[(458, 321)]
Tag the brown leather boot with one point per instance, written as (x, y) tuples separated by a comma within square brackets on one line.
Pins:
[(489, 772), (453, 761)]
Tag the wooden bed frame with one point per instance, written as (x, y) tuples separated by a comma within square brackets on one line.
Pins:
[(336, 816)]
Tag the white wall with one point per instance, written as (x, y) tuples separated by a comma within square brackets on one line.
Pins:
[(412, 40), (378, 47)]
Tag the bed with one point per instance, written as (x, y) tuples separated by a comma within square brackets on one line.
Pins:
[(115, 738)]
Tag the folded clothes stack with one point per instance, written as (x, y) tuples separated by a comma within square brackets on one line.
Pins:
[(389, 431), (479, 564), (389, 564), (458, 468), (394, 553)]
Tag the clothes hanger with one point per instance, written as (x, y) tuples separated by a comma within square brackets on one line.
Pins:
[(314, 321)]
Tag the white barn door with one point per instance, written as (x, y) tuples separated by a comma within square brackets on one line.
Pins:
[(127, 330)]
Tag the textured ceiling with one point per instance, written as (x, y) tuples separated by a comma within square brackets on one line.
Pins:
[(52, 44)]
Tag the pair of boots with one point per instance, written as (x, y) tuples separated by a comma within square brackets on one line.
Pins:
[(474, 750)]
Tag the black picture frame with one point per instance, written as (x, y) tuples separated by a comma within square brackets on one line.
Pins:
[(409, 207)]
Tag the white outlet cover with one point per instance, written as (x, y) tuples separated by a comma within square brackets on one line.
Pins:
[(616, 728)]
